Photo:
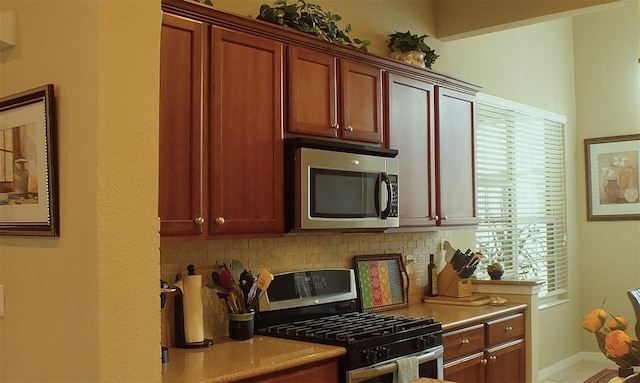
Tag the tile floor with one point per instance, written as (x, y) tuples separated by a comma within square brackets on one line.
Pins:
[(578, 372)]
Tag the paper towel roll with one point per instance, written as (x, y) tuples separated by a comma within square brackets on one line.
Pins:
[(192, 309)]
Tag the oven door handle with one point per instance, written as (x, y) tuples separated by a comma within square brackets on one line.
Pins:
[(387, 368)]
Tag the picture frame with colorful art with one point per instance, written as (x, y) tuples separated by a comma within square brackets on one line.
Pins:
[(28, 161), (612, 175), (382, 282)]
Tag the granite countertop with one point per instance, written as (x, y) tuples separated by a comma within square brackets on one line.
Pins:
[(230, 360), (453, 316)]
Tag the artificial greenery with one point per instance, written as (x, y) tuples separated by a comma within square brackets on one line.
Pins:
[(310, 18), (406, 41)]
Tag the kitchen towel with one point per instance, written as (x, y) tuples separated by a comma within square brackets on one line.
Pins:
[(191, 286), (407, 369)]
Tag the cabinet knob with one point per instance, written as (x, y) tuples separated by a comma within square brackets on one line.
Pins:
[(444, 217), (220, 220), (335, 126), (199, 221), (493, 358), (465, 342), (349, 128), (483, 362), (434, 218), (508, 328)]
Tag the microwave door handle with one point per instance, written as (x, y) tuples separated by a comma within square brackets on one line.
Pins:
[(385, 178)]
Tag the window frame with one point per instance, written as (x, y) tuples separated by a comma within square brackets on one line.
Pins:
[(552, 220)]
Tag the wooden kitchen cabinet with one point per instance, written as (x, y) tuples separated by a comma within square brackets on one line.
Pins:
[(432, 128), (221, 147), (320, 372), (181, 187), (411, 132), (246, 146), (228, 98), (488, 352), (455, 158), (334, 98)]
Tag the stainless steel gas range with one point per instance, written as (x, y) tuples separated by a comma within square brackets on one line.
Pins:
[(320, 306)]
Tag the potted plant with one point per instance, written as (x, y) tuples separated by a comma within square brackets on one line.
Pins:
[(411, 48), (495, 270), (310, 18)]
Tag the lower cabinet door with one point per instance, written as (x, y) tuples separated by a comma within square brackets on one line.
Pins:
[(506, 362), (470, 369)]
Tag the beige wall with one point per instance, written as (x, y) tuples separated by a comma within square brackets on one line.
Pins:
[(84, 307), (606, 50)]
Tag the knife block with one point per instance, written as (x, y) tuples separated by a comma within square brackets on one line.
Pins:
[(451, 285)]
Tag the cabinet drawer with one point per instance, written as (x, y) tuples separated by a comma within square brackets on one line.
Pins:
[(463, 342), (505, 329)]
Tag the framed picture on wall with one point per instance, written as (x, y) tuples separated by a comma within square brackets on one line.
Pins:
[(612, 177), (28, 160)]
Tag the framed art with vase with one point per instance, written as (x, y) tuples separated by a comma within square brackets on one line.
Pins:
[(612, 177)]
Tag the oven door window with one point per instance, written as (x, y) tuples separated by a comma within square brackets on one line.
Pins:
[(343, 194)]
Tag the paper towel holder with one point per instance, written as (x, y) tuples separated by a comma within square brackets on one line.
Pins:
[(180, 322)]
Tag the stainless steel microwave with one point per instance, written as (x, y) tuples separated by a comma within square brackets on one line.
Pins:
[(338, 186)]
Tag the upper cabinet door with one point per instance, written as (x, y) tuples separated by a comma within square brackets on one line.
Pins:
[(411, 131), (455, 159), (181, 127), (361, 87), (312, 93), (325, 105), (246, 146)]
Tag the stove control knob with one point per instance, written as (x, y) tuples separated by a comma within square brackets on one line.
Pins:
[(384, 353), (370, 356), (422, 343)]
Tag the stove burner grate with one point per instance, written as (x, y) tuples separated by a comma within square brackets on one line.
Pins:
[(350, 327)]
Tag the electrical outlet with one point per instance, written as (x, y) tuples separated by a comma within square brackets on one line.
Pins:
[(1, 301)]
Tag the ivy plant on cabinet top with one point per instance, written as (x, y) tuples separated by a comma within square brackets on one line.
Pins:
[(410, 47), (310, 18)]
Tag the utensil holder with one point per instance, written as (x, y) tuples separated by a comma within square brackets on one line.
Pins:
[(451, 285), (241, 326)]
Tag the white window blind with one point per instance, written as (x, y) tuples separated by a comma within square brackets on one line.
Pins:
[(520, 170)]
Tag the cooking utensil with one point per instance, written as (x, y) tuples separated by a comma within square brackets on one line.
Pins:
[(215, 276), (225, 277), (260, 286), (234, 288), (247, 281), (236, 268)]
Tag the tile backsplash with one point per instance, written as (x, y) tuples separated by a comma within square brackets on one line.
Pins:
[(287, 253)]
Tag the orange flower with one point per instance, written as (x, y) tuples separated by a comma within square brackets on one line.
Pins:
[(616, 344), (617, 323), (595, 320)]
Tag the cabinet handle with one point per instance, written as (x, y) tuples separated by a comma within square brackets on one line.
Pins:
[(199, 221), (434, 218), (444, 217), (508, 328), (335, 126), (465, 342), (493, 358), (220, 220), (349, 128), (483, 362)]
